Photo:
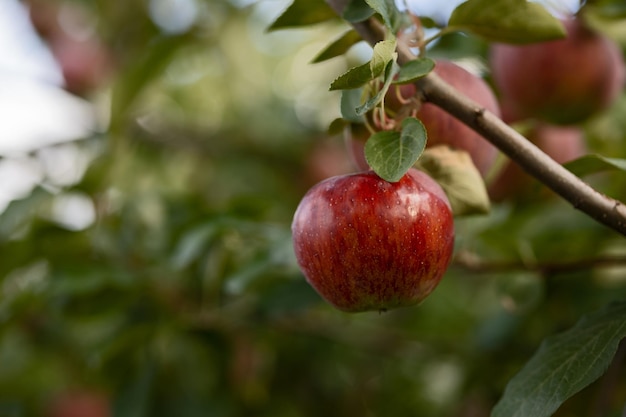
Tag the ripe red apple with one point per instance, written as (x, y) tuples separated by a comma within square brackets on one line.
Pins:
[(444, 129), (367, 244), (563, 81), (561, 143)]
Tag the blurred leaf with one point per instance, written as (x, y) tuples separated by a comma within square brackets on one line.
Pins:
[(508, 21), (357, 11), (414, 70), (384, 52), (339, 46), (564, 365), (192, 245), (303, 13), (350, 100), (142, 71), (592, 164), (456, 173), (20, 212), (391, 153), (388, 11), (608, 9)]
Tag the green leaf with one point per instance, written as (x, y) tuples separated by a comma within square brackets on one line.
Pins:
[(391, 153), (388, 11), (339, 47), (564, 364), (592, 164), (350, 100), (384, 51), (455, 172), (357, 11), (390, 72), (508, 21), (353, 78), (414, 70), (303, 13)]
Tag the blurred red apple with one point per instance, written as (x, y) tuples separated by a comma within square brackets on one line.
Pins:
[(355, 136), (327, 158), (561, 143), (444, 129), (563, 81), (80, 403), (367, 244), (85, 61)]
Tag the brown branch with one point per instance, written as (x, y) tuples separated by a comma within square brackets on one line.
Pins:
[(608, 211)]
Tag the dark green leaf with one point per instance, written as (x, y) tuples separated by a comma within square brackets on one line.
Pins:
[(414, 70), (357, 11), (564, 364), (339, 47), (384, 51), (592, 164), (509, 21), (390, 72), (303, 13), (391, 153), (388, 11)]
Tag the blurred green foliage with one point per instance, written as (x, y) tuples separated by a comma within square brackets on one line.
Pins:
[(182, 298)]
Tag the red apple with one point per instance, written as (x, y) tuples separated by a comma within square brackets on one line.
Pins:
[(444, 129), (563, 81), (367, 244), (561, 143)]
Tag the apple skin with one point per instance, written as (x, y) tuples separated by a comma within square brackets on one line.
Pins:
[(365, 244), (563, 81), (561, 143), (444, 129)]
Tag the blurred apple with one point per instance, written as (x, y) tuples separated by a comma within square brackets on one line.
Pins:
[(327, 158), (355, 136), (80, 403), (85, 61), (561, 143), (563, 81)]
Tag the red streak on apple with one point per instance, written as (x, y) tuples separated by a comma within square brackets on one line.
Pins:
[(367, 244)]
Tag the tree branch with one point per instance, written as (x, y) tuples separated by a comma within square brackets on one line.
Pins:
[(474, 264), (605, 210)]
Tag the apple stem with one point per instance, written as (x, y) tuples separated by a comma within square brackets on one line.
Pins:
[(605, 210)]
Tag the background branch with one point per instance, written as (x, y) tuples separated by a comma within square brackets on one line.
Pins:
[(474, 264), (535, 162)]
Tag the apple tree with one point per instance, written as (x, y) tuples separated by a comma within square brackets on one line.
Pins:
[(453, 183)]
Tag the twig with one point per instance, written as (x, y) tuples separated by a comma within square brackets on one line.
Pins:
[(608, 211), (476, 265)]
